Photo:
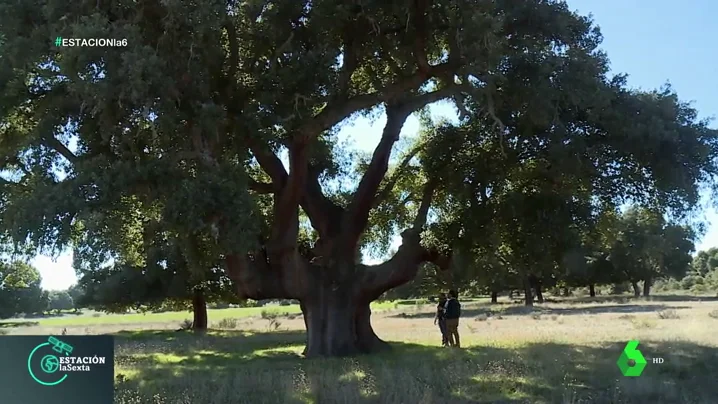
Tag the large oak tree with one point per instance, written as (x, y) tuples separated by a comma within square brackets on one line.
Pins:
[(181, 133)]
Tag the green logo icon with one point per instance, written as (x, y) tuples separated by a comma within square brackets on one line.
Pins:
[(631, 353), (49, 363)]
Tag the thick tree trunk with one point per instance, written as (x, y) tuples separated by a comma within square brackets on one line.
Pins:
[(528, 295), (303, 307), (334, 291), (199, 310), (636, 289), (339, 325), (334, 294), (494, 297), (647, 287), (592, 290)]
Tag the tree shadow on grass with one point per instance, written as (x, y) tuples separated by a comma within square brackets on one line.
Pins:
[(682, 298), (186, 347), (564, 311), (631, 298), (238, 367)]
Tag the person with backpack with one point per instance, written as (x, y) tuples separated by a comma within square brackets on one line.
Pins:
[(439, 318), (452, 313)]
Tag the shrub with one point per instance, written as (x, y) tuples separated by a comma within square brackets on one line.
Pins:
[(227, 323), (699, 288), (691, 280), (668, 314), (620, 288)]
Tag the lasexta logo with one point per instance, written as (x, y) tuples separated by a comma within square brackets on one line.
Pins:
[(67, 369), (631, 362)]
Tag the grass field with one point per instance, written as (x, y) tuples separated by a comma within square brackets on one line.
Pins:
[(557, 353)]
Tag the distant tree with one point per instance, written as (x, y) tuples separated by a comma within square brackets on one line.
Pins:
[(20, 290), (76, 293), (705, 262), (60, 300), (584, 269), (589, 264), (495, 274), (161, 281), (647, 247), (535, 189), (702, 276)]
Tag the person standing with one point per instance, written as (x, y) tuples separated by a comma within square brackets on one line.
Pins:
[(452, 313), (441, 320)]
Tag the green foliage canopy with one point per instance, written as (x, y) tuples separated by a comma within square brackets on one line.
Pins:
[(163, 158), (20, 291)]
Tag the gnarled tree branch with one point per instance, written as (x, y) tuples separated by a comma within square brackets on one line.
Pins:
[(349, 61), (418, 14), (56, 145), (357, 216), (323, 213), (233, 52), (286, 203), (423, 212), (336, 112), (255, 278), (261, 187), (365, 196), (270, 163), (389, 187), (402, 267)]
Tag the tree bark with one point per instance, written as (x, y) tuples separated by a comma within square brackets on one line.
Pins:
[(338, 323), (636, 289), (334, 292), (199, 310), (336, 308), (494, 297), (528, 295), (539, 292), (647, 287), (592, 290)]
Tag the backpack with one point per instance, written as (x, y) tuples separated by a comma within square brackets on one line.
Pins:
[(453, 309)]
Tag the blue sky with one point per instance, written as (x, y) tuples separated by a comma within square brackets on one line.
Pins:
[(654, 41)]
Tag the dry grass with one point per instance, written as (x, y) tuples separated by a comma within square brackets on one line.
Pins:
[(556, 353)]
